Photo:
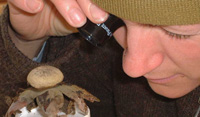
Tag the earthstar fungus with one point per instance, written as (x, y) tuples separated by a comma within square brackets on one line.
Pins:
[(49, 96)]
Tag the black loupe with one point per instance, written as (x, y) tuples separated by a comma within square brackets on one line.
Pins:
[(97, 34)]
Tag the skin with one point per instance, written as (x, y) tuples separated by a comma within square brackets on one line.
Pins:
[(169, 63), (34, 20)]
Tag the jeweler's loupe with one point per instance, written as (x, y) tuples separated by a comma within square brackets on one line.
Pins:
[(97, 34)]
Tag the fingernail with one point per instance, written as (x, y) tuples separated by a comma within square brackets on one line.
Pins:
[(97, 13), (77, 17), (34, 5)]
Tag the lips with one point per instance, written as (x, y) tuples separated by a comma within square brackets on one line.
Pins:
[(162, 80)]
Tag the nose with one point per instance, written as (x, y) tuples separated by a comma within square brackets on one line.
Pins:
[(144, 51)]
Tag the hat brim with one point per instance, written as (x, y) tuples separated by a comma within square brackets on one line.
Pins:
[(155, 12)]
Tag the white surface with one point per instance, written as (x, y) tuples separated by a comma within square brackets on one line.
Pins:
[(35, 113)]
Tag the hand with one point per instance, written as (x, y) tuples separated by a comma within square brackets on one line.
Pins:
[(34, 19)]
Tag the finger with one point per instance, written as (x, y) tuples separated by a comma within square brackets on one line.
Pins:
[(92, 11), (71, 12), (30, 6)]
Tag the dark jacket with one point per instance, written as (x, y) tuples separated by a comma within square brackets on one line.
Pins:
[(96, 69)]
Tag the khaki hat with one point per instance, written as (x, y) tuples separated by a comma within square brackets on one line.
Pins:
[(155, 12)]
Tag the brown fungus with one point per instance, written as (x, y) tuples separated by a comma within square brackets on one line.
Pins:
[(44, 76)]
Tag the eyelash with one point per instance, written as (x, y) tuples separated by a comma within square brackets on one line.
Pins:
[(174, 35), (177, 36)]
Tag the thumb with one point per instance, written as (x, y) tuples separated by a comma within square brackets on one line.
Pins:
[(30, 6)]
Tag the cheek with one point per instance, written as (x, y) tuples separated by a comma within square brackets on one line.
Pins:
[(185, 54)]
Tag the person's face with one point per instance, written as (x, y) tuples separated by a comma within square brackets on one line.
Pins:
[(169, 62)]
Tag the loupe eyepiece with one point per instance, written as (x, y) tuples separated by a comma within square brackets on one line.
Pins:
[(97, 34)]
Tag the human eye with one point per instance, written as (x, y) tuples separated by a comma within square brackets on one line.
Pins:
[(177, 36)]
